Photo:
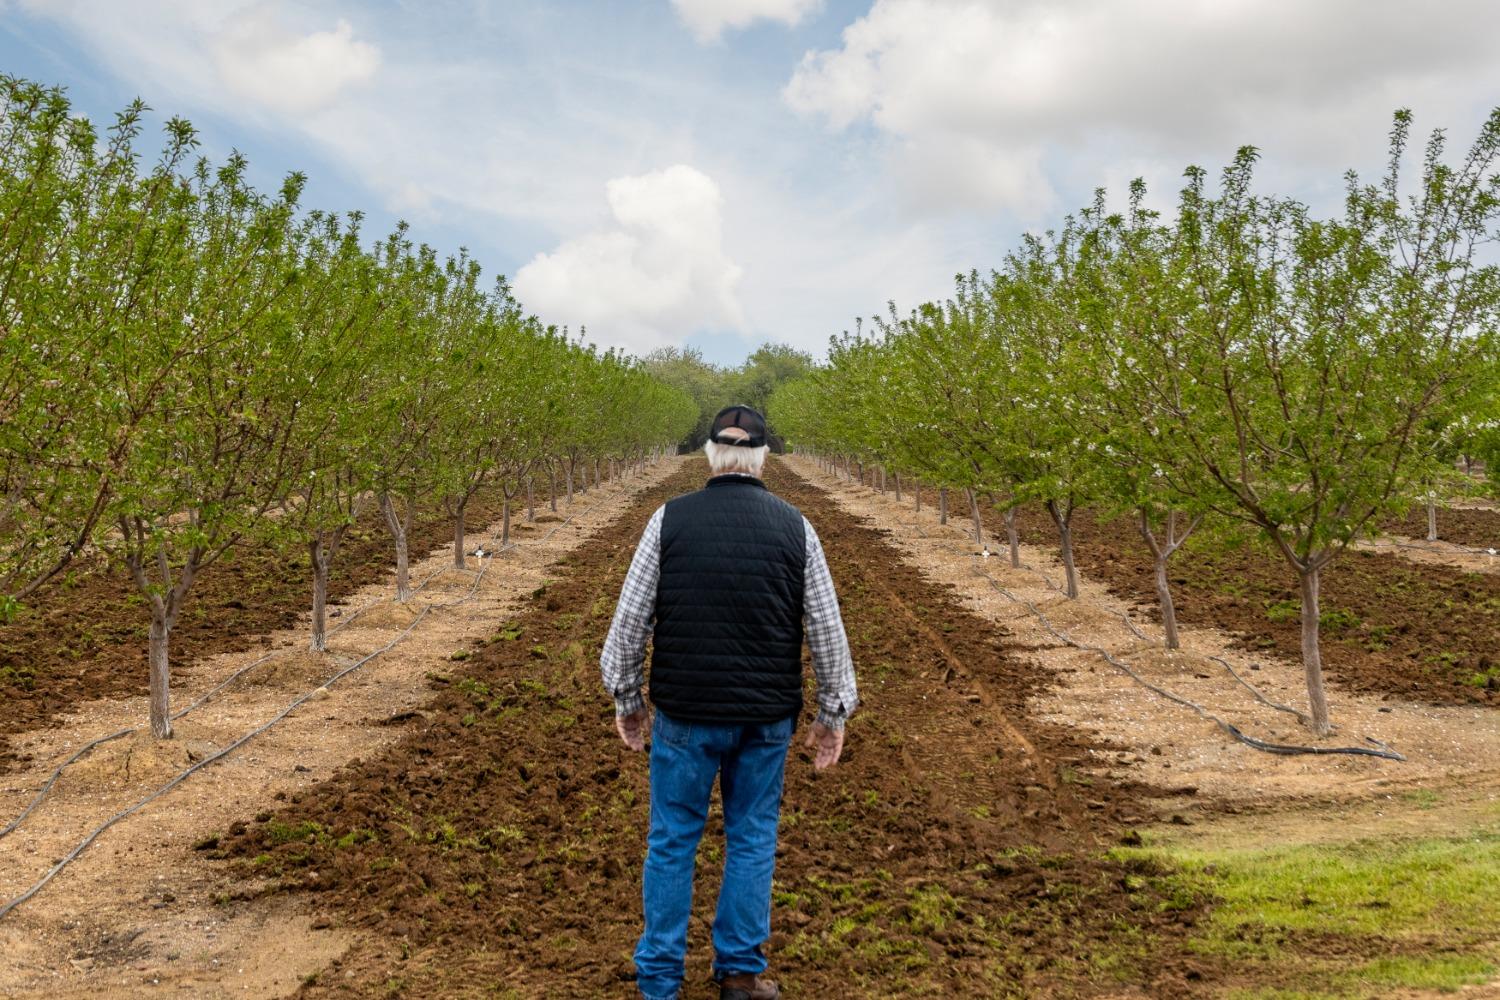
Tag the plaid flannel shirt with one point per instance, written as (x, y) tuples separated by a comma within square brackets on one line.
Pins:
[(623, 661)]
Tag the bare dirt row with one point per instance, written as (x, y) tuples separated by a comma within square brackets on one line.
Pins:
[(471, 826), (1391, 627), (85, 637), (1160, 742), (138, 913), (958, 848), (1412, 627), (1473, 527)]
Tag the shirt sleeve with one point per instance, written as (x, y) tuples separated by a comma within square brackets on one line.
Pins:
[(832, 663), (623, 660)]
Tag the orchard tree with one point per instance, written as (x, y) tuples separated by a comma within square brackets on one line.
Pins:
[(334, 306), (86, 248), (1130, 298), (1313, 350), (214, 455), (412, 371)]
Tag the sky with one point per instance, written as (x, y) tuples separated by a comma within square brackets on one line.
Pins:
[(720, 174)]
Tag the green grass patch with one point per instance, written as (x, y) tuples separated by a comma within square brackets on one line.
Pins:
[(1309, 919)]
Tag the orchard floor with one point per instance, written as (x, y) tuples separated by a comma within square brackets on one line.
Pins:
[(1005, 821), (83, 638), (139, 913)]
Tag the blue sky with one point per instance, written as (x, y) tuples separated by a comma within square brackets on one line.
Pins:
[(721, 173)]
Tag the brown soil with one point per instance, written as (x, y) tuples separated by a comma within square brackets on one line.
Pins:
[(1470, 526), (1164, 743), (134, 916), (85, 636), (497, 848), (1392, 627)]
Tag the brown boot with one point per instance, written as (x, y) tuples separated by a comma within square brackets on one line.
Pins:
[(748, 986)]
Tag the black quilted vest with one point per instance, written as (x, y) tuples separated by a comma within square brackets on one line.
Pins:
[(727, 646)]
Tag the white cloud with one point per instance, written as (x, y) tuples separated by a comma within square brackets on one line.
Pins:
[(262, 60), (656, 274), (707, 19), (257, 56), (977, 98)]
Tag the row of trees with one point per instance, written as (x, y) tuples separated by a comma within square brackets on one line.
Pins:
[(714, 387), (190, 363), (1244, 361)]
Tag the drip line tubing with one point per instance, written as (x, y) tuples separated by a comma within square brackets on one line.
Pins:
[(125, 813)]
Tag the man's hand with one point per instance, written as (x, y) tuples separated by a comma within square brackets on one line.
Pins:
[(826, 744), (632, 728)]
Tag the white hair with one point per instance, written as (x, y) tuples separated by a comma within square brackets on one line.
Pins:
[(727, 458)]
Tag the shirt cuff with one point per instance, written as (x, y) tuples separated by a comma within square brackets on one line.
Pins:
[(833, 720), (629, 704)]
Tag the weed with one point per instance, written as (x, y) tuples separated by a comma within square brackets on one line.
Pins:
[(355, 837), (474, 688), (1284, 610), (1337, 620), (928, 909), (284, 833)]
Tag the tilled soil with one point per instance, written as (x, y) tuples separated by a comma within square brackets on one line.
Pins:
[(1476, 528), (1391, 626), (957, 847), (134, 916), (84, 637)]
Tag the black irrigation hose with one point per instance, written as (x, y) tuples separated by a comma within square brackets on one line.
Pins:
[(84, 844), (1124, 616), (1230, 729), (47, 787)]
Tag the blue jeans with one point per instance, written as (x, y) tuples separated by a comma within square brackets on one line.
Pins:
[(749, 761)]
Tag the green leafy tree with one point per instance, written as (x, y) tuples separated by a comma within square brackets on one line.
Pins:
[(1319, 347), (214, 455), (335, 307), (86, 250)]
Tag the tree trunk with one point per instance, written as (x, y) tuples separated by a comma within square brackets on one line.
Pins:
[(882, 479), (898, 487), (160, 689), (596, 473), (530, 501), (505, 523), (974, 513), (458, 534), (917, 489), (1064, 524), (1164, 598), (397, 525), (1161, 552), (552, 479), (1312, 658), (569, 471), (320, 559), (1432, 533), (943, 505), (1013, 537)]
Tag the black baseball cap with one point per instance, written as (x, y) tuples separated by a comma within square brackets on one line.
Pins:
[(745, 419)]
